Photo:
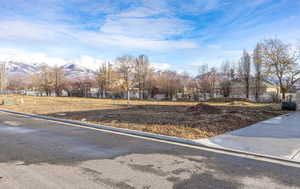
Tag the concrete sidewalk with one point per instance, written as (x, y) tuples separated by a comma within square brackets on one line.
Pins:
[(279, 137)]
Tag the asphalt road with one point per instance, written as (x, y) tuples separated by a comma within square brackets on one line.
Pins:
[(43, 154)]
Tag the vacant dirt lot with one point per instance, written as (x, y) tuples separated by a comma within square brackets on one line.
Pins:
[(181, 119)]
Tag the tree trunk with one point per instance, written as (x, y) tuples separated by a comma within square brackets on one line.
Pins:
[(247, 89), (283, 95)]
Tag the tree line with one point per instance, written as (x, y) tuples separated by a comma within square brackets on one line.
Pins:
[(271, 59)]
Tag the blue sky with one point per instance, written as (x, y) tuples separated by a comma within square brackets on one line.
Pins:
[(175, 34)]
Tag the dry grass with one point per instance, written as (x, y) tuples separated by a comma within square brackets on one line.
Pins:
[(168, 118)]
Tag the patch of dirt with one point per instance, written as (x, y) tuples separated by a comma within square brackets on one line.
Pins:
[(180, 119), (204, 108), (193, 122), (239, 103)]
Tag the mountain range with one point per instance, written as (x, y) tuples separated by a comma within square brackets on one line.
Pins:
[(72, 70)]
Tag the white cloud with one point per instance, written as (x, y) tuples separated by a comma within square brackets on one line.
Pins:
[(58, 34), (29, 58), (123, 42), (7, 54), (150, 28), (98, 7), (197, 7), (137, 12), (168, 29), (214, 55), (23, 30), (88, 62)]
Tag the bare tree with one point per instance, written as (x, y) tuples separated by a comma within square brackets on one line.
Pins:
[(17, 83), (81, 87), (203, 81), (35, 82), (227, 75), (225, 87), (207, 81), (141, 71), (173, 83), (104, 79), (193, 85), (245, 72), (58, 78), (227, 70), (213, 79), (280, 63), (48, 80), (125, 68), (45, 80), (169, 83), (185, 80), (152, 83), (232, 72), (68, 86), (258, 64)]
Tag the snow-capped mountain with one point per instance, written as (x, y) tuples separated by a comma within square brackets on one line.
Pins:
[(22, 69), (76, 71)]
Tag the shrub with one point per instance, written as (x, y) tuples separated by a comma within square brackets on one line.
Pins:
[(290, 106)]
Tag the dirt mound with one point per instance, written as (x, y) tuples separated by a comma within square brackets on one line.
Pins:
[(240, 103), (227, 99), (204, 108)]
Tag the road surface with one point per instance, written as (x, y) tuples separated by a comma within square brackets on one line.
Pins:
[(42, 154)]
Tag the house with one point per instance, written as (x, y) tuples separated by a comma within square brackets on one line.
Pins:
[(268, 90)]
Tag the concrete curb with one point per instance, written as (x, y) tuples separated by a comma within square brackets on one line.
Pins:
[(152, 136)]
